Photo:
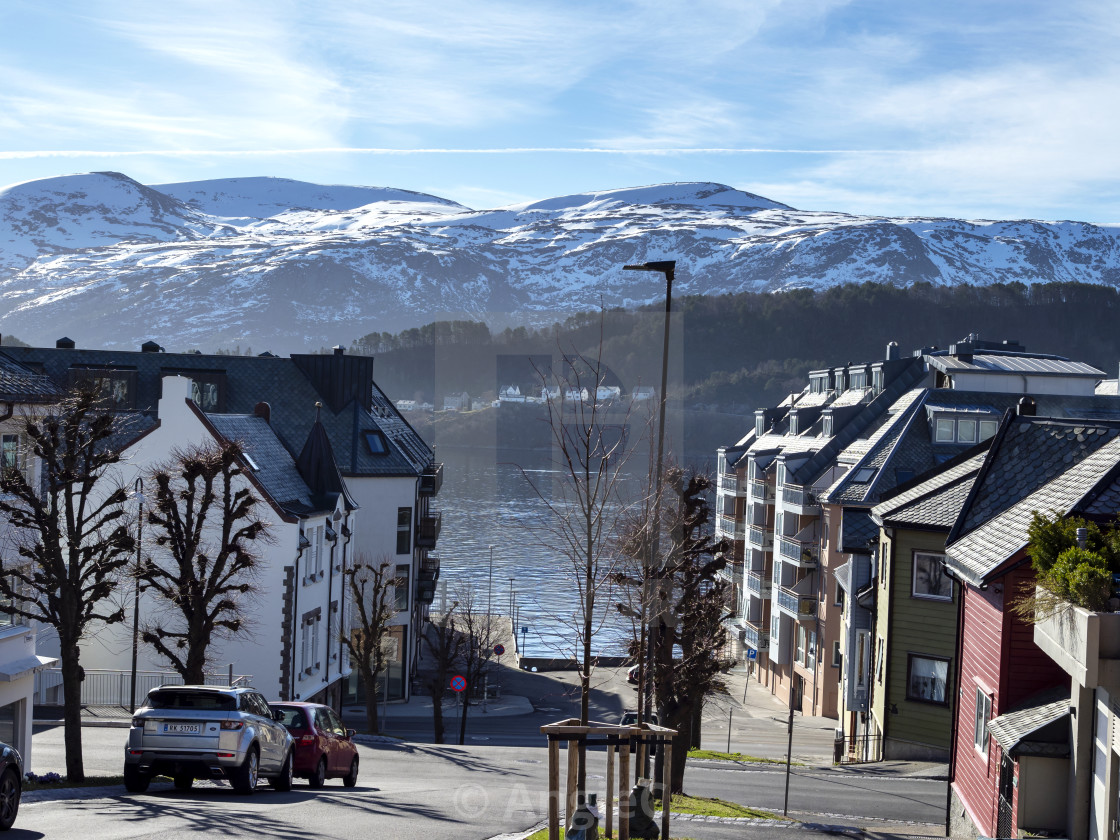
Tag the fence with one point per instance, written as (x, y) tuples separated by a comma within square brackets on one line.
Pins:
[(112, 688), (858, 749)]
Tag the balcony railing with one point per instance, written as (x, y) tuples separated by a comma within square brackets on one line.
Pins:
[(758, 583), (431, 480), (803, 554), (429, 568), (799, 497), (761, 490), (425, 591), (428, 528), (755, 637), (797, 604), (729, 483), (728, 526), (760, 538)]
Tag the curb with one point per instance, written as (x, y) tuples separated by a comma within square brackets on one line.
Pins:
[(790, 824), (376, 739), (112, 724), (108, 791)]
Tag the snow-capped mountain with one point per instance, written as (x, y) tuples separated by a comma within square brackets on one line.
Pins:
[(286, 265)]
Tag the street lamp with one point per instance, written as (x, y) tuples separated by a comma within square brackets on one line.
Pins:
[(668, 268), (138, 491)]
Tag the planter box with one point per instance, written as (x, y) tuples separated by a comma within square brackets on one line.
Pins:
[(1085, 644)]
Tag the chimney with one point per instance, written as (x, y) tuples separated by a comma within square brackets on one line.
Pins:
[(264, 411), (65, 344), (892, 351), (150, 347), (339, 350), (1026, 407)]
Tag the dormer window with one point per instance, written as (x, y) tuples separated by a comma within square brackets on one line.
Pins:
[(966, 430), (826, 425), (818, 384), (858, 380), (115, 387), (760, 424), (793, 430)]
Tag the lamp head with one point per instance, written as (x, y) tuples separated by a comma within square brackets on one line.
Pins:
[(663, 266)]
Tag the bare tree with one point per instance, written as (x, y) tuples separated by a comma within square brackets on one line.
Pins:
[(447, 646), (373, 593), (71, 541), (476, 626), (586, 503), (688, 603), (206, 535)]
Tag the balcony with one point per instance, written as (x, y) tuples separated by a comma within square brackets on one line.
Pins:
[(802, 553), (729, 483), (758, 583), (799, 500), (425, 591), (760, 538), (1086, 645), (762, 491), (796, 604), (428, 528), (755, 637), (429, 569), (730, 527), (431, 480)]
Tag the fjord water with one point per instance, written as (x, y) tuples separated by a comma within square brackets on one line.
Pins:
[(486, 500)]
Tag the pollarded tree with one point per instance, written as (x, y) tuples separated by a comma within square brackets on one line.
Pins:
[(207, 538), (69, 541), (373, 591), (446, 646)]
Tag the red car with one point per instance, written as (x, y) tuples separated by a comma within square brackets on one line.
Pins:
[(323, 749)]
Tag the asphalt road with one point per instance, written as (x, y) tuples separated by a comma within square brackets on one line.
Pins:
[(471, 791)]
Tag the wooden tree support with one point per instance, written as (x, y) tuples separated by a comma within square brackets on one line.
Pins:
[(620, 739)]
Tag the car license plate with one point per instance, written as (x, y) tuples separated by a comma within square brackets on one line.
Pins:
[(182, 728)]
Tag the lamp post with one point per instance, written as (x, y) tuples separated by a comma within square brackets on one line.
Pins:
[(138, 489), (668, 268), (489, 625)]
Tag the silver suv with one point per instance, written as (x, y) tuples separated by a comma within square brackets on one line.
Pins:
[(193, 732)]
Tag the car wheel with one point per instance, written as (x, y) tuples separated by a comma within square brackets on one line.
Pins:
[(184, 781), (351, 778), (244, 778), (9, 799), (135, 780), (283, 782), (320, 775)]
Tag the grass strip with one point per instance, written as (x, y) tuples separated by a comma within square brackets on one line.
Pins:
[(740, 757)]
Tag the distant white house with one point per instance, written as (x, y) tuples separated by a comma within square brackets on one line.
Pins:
[(642, 392), (550, 392), (406, 405), (511, 393), (575, 394), (607, 392)]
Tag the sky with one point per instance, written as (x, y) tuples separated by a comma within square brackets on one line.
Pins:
[(976, 109)]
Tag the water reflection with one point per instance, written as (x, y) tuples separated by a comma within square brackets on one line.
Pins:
[(486, 501)]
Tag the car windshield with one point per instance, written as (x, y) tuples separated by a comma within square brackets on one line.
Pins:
[(292, 718), (210, 701)]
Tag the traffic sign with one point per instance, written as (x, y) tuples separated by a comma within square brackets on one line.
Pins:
[(458, 683), (752, 654), (499, 650)]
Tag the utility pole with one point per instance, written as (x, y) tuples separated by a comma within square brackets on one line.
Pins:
[(789, 746)]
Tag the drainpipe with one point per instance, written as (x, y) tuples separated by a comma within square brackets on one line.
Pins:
[(954, 701), (345, 531), (330, 592)]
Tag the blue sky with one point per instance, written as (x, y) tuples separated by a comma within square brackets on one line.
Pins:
[(973, 109)]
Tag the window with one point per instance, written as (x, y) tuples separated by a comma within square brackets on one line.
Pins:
[(838, 599), (863, 475), (801, 651), (404, 530), (930, 580), (309, 641), (861, 658), (332, 632), (826, 425), (966, 431), (877, 380), (837, 656), (375, 442), (926, 679), (117, 388), (983, 716), (400, 589), (859, 380), (759, 425), (944, 430), (879, 662), (208, 387), (988, 428), (811, 660), (314, 565), (9, 453)]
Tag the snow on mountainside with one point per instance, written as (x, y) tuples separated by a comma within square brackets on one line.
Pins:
[(286, 265)]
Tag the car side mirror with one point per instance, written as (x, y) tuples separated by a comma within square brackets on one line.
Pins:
[(350, 733), (277, 715)]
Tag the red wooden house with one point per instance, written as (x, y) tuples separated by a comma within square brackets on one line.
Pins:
[(1009, 765)]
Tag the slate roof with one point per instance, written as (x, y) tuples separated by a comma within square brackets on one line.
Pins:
[(935, 503), (1013, 730), (277, 472), (291, 386), (913, 451), (856, 530), (1035, 464), (21, 384)]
